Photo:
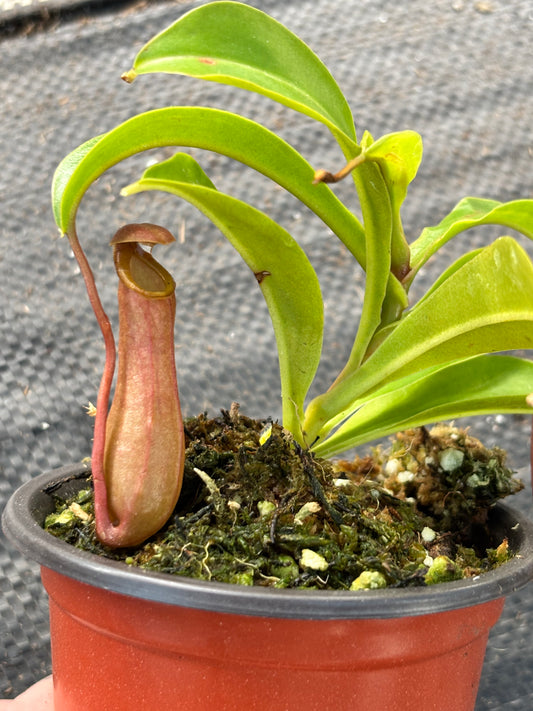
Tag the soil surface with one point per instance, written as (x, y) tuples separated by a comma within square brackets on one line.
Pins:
[(256, 509)]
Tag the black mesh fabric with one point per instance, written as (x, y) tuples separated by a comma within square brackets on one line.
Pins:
[(459, 72)]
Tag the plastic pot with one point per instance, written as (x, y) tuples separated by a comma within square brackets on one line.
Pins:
[(123, 638)]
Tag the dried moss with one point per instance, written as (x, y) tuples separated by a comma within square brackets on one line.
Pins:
[(258, 510)]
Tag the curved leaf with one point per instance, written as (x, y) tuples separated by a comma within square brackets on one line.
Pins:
[(478, 386), (377, 220), (400, 153), (399, 156), (287, 279), (447, 273), (63, 173), (480, 308), (219, 131), (470, 212), (235, 44)]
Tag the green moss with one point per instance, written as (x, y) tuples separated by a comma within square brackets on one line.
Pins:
[(258, 510)]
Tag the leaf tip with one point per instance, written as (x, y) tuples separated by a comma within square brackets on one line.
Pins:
[(129, 77)]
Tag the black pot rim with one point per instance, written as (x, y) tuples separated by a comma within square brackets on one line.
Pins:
[(25, 512)]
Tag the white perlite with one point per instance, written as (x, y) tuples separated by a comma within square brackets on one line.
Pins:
[(310, 559), (451, 459), (428, 534)]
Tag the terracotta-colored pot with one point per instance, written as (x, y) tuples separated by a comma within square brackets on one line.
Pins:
[(126, 639)]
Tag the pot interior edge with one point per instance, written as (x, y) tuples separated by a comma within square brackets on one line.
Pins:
[(25, 513)]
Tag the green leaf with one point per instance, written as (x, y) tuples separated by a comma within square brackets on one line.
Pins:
[(400, 153), (447, 273), (377, 220), (235, 44), (485, 306), (181, 168), (63, 173), (478, 386), (399, 156), (211, 129), (471, 212), (287, 279)]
